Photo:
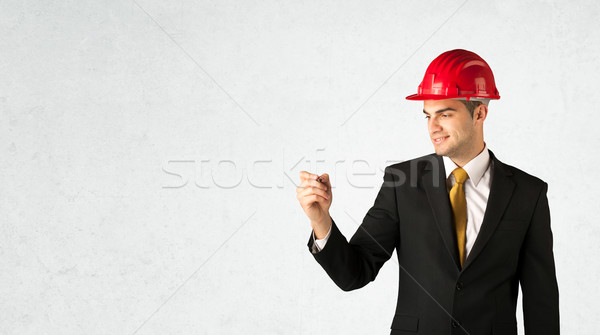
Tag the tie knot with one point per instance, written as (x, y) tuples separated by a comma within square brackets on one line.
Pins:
[(460, 175)]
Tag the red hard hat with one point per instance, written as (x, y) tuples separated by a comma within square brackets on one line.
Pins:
[(457, 74)]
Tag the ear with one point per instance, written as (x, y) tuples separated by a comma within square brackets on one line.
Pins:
[(480, 113)]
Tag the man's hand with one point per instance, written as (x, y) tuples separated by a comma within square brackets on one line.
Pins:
[(314, 195)]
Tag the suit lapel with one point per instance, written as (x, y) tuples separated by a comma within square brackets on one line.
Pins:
[(434, 183), (500, 193)]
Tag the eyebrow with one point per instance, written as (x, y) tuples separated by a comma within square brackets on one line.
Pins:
[(441, 110)]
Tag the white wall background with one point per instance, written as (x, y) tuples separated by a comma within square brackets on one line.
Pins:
[(130, 200)]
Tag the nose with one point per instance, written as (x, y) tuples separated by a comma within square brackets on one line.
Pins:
[(433, 125)]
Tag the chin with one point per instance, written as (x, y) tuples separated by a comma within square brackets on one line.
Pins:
[(441, 152), (449, 152)]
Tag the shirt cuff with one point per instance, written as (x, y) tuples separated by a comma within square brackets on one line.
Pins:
[(320, 243)]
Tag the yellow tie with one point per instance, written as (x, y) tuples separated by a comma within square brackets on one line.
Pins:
[(459, 210)]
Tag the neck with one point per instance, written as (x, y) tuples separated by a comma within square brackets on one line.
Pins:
[(462, 160)]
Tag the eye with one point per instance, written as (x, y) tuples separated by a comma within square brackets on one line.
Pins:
[(427, 116), (445, 115)]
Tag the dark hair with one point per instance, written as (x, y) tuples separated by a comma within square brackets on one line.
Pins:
[(471, 105)]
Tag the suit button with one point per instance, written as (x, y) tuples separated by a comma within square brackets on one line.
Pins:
[(459, 286), (455, 324)]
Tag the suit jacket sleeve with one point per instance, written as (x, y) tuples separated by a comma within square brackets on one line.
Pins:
[(537, 273), (354, 264)]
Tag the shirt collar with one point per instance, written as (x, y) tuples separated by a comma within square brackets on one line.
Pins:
[(475, 168)]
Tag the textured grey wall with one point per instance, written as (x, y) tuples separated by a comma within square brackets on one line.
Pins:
[(150, 151)]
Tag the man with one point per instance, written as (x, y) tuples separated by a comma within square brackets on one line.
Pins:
[(467, 228)]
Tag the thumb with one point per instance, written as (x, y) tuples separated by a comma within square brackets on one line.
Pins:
[(324, 178)]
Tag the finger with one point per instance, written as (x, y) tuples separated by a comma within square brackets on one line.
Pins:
[(303, 185), (312, 198), (324, 178), (314, 183), (309, 191), (313, 190), (305, 175)]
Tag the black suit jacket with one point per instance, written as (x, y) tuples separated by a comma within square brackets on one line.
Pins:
[(412, 214)]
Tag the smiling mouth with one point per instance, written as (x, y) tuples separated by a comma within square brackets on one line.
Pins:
[(440, 139)]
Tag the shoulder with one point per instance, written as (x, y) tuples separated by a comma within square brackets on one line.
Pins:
[(520, 177), (429, 161), (412, 170)]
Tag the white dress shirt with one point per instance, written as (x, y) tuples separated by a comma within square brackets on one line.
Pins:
[(477, 191)]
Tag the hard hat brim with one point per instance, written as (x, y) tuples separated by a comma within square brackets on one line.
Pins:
[(420, 97)]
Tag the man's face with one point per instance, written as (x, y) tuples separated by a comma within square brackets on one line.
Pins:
[(451, 127)]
